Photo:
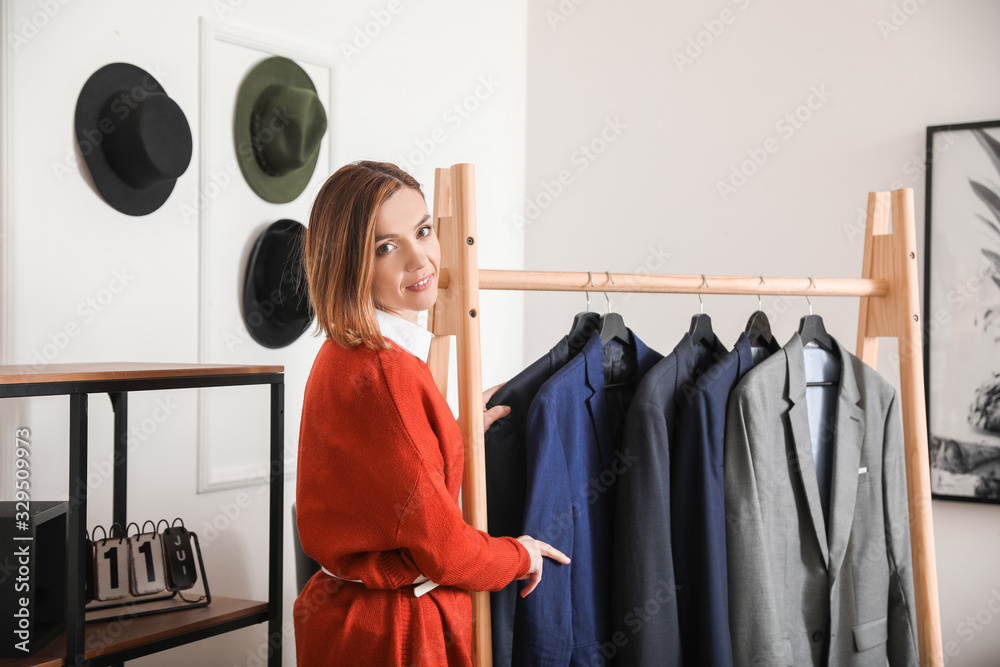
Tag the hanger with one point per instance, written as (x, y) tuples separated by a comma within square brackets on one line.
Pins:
[(758, 328), (701, 324), (584, 324), (612, 325), (811, 330)]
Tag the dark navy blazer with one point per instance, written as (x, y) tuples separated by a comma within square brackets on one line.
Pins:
[(698, 514), (572, 469), (506, 471), (644, 604)]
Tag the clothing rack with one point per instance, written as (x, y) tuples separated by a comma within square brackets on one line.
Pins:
[(890, 307)]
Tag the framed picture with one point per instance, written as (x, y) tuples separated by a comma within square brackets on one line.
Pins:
[(962, 309)]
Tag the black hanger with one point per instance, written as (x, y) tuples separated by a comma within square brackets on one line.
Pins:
[(612, 325), (701, 329), (584, 324), (758, 328), (701, 325), (812, 330)]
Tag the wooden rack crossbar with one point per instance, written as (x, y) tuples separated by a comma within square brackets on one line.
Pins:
[(890, 307), (579, 281)]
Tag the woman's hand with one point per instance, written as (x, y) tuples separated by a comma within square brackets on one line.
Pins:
[(497, 411), (537, 549)]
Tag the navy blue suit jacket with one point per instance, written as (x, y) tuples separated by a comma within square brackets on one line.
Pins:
[(572, 469), (506, 471), (644, 603), (699, 513)]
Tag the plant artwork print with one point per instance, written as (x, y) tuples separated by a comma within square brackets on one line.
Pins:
[(963, 311)]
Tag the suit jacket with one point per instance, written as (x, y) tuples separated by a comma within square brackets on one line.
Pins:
[(644, 603), (506, 470), (698, 514), (801, 593), (572, 469)]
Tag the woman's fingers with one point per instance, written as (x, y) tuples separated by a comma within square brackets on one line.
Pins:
[(488, 394), (553, 553), (493, 414), (544, 550), (532, 582), (497, 411)]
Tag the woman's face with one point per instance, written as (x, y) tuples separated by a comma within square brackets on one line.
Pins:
[(407, 255)]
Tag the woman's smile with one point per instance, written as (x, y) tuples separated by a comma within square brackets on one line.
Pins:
[(421, 284)]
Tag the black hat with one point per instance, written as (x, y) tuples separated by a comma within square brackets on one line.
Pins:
[(134, 138), (278, 127), (276, 308)]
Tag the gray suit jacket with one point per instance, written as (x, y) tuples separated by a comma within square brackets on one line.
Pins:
[(802, 593)]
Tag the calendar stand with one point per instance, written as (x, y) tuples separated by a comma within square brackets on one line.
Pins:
[(176, 598)]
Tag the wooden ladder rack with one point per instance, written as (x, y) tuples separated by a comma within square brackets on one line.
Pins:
[(890, 307)]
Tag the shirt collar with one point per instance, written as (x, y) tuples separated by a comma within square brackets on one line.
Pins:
[(411, 337)]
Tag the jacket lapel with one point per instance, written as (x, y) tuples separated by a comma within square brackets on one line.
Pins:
[(593, 353), (798, 415), (684, 353), (846, 457)]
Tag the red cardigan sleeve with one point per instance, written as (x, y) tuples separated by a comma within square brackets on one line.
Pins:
[(449, 551), (371, 502)]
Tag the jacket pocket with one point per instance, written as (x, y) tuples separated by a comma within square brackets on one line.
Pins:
[(870, 635)]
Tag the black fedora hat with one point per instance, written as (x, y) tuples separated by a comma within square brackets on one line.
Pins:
[(276, 308), (278, 127), (135, 139)]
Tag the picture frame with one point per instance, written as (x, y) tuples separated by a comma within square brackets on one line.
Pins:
[(962, 310)]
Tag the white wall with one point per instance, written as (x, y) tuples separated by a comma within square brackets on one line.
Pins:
[(395, 100), (650, 200)]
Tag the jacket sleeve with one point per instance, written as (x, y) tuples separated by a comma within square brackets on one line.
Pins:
[(370, 507), (543, 622), (902, 626), (642, 564), (754, 616)]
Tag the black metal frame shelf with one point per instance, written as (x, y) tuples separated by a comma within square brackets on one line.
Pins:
[(84, 379)]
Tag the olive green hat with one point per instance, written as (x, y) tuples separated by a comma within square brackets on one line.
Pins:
[(278, 128)]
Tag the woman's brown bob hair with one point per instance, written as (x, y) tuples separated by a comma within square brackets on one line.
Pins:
[(339, 249)]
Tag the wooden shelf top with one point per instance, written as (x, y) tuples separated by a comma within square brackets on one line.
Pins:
[(120, 370), (138, 631)]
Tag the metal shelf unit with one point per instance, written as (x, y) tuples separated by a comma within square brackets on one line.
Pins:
[(164, 631)]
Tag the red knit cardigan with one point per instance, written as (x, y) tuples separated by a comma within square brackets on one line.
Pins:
[(379, 470)]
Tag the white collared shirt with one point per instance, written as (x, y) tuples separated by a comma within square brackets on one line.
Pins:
[(413, 338)]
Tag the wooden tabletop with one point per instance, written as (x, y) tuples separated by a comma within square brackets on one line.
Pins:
[(120, 370), (137, 631)]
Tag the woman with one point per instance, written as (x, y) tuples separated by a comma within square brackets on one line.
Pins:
[(380, 453)]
